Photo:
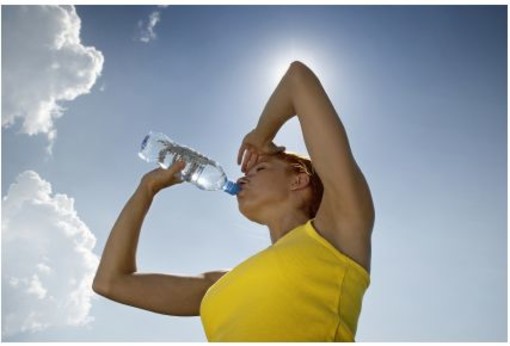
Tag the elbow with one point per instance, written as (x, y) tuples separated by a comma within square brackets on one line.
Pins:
[(109, 285), (108, 282), (102, 286), (296, 64), (297, 68), (300, 74)]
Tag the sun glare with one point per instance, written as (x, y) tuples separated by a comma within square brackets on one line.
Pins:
[(281, 61)]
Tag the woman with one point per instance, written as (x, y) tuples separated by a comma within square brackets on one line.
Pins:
[(309, 284)]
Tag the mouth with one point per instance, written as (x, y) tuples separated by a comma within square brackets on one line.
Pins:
[(242, 183)]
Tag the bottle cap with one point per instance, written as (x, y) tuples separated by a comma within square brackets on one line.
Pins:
[(231, 188)]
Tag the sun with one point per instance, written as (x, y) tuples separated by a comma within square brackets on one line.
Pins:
[(281, 60)]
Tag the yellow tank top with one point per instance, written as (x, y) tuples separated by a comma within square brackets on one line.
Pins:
[(299, 289)]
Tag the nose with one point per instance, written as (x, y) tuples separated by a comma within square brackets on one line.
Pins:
[(250, 173)]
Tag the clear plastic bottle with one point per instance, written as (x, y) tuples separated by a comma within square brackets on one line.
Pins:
[(201, 171)]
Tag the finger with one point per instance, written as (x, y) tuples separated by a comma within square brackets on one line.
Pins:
[(280, 149), (174, 170), (274, 149), (252, 161), (177, 166), (240, 154), (247, 157)]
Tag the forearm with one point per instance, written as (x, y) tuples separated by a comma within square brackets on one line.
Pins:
[(119, 255), (298, 83), (287, 100), (278, 109)]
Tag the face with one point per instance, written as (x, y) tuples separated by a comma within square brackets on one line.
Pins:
[(265, 186)]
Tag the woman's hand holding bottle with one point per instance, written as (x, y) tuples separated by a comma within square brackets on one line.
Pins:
[(159, 178)]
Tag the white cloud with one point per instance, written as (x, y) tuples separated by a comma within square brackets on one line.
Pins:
[(43, 63), (146, 31), (47, 259)]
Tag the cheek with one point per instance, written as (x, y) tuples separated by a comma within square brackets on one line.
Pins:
[(262, 194), (269, 186)]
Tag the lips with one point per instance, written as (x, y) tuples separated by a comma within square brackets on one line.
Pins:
[(242, 183)]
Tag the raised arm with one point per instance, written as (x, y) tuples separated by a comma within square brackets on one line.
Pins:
[(117, 277), (346, 214)]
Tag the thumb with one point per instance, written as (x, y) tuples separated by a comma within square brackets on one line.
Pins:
[(176, 168), (274, 149)]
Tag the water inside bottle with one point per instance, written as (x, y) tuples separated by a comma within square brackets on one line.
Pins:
[(205, 173)]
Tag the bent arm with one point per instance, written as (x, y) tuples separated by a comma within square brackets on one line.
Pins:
[(119, 255), (117, 278), (301, 93), (346, 191), (346, 211)]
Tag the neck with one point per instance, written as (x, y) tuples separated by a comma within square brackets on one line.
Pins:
[(283, 225)]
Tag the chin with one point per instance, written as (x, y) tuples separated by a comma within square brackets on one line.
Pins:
[(249, 211)]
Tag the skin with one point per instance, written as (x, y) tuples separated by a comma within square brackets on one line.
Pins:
[(273, 196), (270, 195)]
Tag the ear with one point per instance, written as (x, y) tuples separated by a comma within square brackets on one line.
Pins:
[(299, 181)]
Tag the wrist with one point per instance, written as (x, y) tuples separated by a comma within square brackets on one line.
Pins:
[(146, 188), (267, 129)]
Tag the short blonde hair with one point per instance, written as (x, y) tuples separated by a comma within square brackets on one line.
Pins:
[(302, 164)]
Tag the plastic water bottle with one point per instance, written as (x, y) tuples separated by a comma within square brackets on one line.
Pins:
[(201, 171)]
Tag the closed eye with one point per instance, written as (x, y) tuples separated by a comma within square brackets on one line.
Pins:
[(257, 168)]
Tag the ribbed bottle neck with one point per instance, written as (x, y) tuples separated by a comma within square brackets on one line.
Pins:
[(231, 188)]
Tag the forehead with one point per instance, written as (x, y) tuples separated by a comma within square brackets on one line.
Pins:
[(272, 160)]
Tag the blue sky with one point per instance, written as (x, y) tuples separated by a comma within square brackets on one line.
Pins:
[(422, 91)]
